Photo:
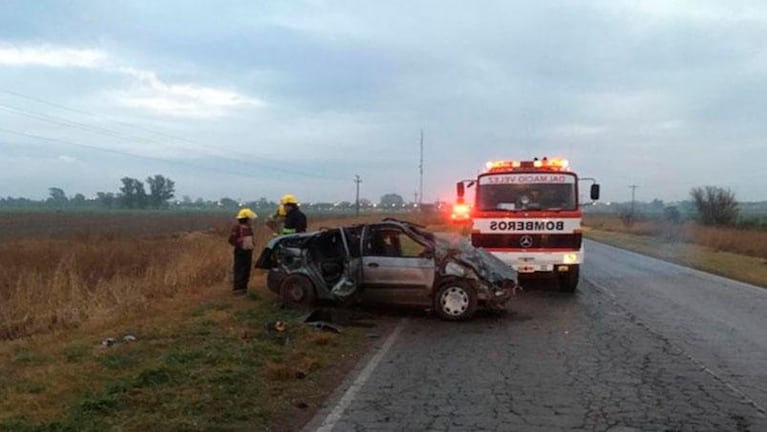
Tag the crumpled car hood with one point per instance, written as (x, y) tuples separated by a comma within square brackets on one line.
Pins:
[(450, 246)]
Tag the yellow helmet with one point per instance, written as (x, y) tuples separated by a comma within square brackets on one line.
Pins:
[(289, 199), (246, 213)]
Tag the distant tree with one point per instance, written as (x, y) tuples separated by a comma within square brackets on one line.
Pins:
[(671, 214), (106, 199), (628, 216), (132, 193), (229, 203), (263, 203), (57, 196), (656, 206), (392, 200), (161, 189), (715, 205), (78, 200)]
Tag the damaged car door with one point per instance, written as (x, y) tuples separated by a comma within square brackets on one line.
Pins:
[(396, 267)]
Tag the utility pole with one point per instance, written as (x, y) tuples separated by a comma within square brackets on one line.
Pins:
[(633, 193), (420, 172), (357, 180)]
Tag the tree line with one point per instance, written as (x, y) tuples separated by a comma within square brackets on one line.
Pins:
[(132, 194), (158, 191)]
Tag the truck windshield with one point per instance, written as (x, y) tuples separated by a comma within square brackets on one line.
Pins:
[(518, 192)]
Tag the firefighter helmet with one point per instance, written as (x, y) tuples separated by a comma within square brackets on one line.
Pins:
[(246, 213), (289, 199)]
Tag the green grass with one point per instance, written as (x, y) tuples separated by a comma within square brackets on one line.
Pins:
[(734, 266), (203, 373)]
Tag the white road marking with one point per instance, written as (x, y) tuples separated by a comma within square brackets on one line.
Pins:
[(335, 415)]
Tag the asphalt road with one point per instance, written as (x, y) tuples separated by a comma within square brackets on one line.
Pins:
[(644, 346)]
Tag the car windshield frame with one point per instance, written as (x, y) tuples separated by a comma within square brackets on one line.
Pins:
[(527, 196)]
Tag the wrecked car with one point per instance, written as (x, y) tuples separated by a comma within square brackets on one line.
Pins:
[(389, 262)]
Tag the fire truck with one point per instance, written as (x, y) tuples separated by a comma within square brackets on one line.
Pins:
[(527, 214)]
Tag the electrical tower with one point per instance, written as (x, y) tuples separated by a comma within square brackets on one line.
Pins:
[(357, 180), (420, 173)]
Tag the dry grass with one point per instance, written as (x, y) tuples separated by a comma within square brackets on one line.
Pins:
[(203, 359), (739, 241), (49, 284), (323, 339), (59, 283)]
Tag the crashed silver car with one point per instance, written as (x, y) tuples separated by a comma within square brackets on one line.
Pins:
[(391, 262)]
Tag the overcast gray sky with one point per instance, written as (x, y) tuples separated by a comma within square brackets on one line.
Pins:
[(248, 99)]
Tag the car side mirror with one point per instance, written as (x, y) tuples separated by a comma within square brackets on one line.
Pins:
[(594, 192)]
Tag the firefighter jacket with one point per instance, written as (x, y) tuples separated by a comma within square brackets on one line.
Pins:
[(241, 237), (295, 222)]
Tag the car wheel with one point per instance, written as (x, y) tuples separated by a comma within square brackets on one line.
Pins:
[(455, 300), (297, 290)]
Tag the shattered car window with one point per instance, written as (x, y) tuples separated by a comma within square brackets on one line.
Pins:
[(392, 242)]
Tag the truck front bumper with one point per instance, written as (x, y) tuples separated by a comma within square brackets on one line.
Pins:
[(532, 261)]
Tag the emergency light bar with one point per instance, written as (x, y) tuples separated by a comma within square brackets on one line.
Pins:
[(554, 164)]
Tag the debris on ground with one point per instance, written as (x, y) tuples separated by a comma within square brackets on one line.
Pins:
[(339, 317), (111, 341), (324, 326), (276, 326)]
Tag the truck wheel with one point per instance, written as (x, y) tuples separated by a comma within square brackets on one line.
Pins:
[(568, 281), (455, 300), (297, 290)]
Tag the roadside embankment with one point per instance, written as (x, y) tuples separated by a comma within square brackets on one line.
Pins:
[(734, 253)]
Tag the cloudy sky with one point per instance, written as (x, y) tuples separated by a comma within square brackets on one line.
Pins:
[(258, 98)]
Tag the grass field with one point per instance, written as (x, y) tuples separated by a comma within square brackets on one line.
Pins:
[(203, 360)]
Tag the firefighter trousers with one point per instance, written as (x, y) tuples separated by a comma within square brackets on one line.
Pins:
[(243, 261)]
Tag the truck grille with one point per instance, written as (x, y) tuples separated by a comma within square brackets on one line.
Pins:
[(513, 241)]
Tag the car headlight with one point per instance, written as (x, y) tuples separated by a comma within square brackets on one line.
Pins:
[(571, 258)]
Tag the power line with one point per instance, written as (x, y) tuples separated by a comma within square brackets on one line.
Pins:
[(61, 121), (96, 129), (66, 108), (159, 159)]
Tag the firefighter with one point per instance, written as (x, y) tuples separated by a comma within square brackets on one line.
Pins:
[(276, 219), (242, 238), (295, 219)]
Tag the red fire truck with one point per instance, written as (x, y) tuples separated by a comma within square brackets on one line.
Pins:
[(527, 213)]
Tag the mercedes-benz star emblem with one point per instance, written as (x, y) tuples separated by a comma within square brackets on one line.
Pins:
[(526, 241)]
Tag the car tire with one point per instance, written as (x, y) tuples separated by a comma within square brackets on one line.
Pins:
[(568, 281), (297, 290), (455, 300)]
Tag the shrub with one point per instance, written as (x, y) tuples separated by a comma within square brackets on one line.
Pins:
[(715, 205)]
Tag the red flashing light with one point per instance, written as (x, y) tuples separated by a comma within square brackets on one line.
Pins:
[(554, 164), (461, 213)]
